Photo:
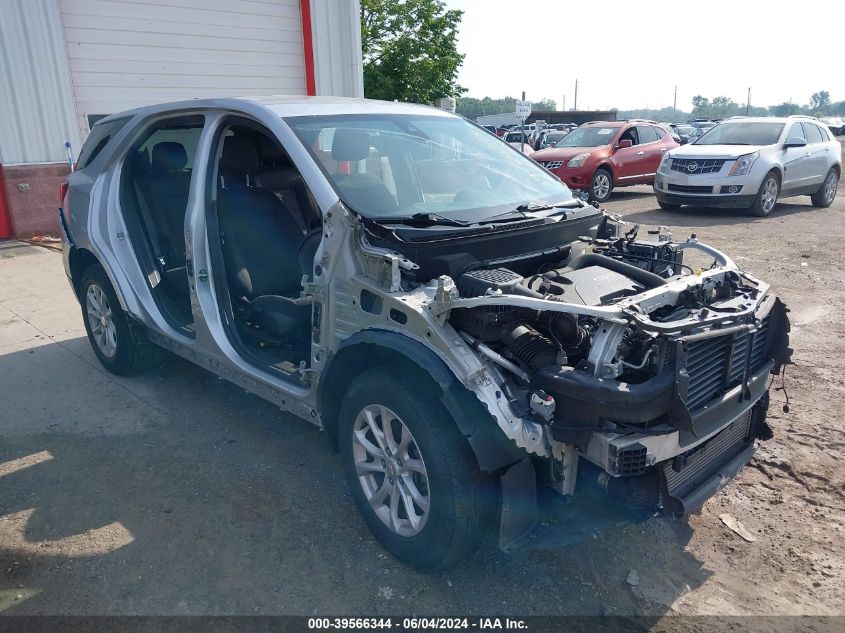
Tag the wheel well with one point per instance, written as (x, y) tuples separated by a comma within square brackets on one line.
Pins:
[(345, 366), (778, 173), (607, 168), (373, 348), (80, 259)]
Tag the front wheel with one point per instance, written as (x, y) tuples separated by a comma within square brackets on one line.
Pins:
[(411, 473), (601, 186), (827, 192), (767, 196)]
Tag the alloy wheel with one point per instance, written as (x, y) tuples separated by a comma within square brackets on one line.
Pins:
[(101, 321), (391, 470), (601, 186), (830, 185), (770, 194)]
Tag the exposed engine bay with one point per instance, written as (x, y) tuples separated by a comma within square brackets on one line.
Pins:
[(610, 350), (642, 347)]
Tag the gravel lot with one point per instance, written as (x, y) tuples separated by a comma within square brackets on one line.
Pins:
[(175, 492)]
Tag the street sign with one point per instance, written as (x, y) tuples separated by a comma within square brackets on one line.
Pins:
[(523, 110)]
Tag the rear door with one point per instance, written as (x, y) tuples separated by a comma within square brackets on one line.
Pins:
[(819, 153), (650, 150)]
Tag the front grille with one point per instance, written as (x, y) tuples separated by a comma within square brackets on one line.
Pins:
[(689, 470), (719, 363), (697, 166), (689, 188), (552, 164)]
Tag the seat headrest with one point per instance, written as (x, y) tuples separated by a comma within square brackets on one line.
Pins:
[(350, 144), (239, 157), (169, 156)]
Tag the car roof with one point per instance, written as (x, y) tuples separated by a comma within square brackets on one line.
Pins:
[(288, 106)]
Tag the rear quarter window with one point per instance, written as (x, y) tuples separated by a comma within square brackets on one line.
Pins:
[(97, 140)]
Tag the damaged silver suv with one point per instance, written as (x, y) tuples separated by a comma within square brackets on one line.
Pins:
[(465, 331)]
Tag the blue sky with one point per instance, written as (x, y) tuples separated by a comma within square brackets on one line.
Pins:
[(632, 54)]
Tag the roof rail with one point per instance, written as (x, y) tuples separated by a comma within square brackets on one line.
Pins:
[(802, 116)]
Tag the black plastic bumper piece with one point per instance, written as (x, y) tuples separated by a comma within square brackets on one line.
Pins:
[(713, 202), (588, 400)]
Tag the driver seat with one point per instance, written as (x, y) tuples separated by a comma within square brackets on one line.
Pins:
[(261, 245)]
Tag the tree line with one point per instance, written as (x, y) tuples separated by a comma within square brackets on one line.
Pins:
[(724, 107)]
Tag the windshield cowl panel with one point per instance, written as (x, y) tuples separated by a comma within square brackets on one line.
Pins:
[(433, 168)]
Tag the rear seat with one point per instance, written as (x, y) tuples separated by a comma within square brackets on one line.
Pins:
[(168, 186)]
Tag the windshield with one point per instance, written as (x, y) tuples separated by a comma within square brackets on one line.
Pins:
[(394, 166), (742, 133), (588, 137)]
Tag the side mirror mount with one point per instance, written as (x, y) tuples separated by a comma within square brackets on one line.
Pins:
[(625, 143), (795, 141)]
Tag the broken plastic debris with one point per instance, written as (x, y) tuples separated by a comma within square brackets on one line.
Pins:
[(737, 527)]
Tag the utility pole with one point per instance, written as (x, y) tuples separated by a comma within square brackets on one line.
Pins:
[(576, 95), (563, 108), (675, 103), (748, 102)]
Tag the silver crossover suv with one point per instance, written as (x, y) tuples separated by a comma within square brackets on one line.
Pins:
[(465, 331), (749, 163)]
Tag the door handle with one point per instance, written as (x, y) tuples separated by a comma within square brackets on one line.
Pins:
[(640, 153)]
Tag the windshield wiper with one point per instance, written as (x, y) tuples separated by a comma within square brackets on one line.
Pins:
[(425, 219), (521, 212)]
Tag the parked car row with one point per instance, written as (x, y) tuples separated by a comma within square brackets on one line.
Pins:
[(835, 124), (743, 162)]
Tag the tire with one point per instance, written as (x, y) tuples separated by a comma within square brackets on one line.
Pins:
[(767, 196), (437, 461), (108, 327), (826, 194), (601, 186), (668, 206)]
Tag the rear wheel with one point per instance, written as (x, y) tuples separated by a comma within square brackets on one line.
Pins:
[(826, 194), (767, 196), (601, 186), (411, 473), (668, 206), (108, 327)]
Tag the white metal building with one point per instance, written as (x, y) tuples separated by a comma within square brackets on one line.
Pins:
[(66, 63)]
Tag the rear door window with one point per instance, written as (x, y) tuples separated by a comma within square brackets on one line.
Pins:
[(647, 134), (97, 140)]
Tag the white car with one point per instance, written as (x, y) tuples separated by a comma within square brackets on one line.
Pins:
[(750, 163)]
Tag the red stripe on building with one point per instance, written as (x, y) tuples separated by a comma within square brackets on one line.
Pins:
[(308, 46), (5, 217)]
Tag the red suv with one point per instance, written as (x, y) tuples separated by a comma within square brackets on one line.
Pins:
[(601, 155)]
